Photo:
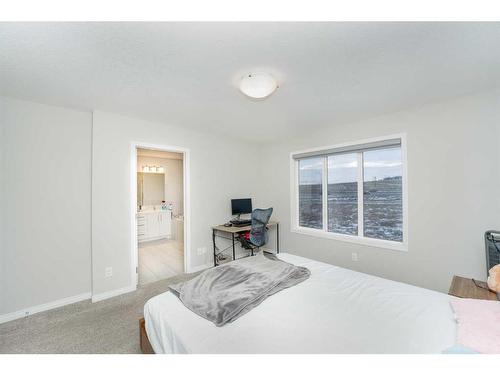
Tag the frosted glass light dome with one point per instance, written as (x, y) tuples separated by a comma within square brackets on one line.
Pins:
[(258, 85)]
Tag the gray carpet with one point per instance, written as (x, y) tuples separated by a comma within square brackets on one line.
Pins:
[(110, 326)]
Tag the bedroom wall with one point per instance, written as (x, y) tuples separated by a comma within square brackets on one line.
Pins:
[(2, 183), (45, 204), (453, 191), (219, 172), (45, 196)]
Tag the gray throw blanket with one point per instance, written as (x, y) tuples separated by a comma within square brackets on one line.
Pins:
[(224, 293)]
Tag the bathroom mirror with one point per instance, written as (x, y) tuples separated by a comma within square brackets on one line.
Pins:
[(150, 188)]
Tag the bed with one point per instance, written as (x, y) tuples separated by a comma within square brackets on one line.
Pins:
[(335, 311)]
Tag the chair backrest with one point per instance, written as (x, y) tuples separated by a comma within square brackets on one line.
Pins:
[(260, 218)]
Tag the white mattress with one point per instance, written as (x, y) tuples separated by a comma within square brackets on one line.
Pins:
[(335, 311)]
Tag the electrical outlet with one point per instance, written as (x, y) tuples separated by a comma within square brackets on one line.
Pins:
[(354, 257), (202, 250), (108, 272)]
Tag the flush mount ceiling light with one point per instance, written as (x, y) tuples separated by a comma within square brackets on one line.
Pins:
[(258, 85)]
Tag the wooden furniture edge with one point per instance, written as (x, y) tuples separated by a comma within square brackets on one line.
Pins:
[(146, 347), (451, 290), (233, 229), (464, 287)]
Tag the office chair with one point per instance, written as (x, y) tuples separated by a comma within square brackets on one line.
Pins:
[(258, 234)]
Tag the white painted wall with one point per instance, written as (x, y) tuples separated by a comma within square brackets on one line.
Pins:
[(173, 179), (2, 204), (45, 194), (221, 168), (45, 204), (453, 191)]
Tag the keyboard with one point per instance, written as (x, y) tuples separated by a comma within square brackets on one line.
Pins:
[(240, 223)]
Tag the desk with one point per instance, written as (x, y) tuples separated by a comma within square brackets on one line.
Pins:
[(216, 230)]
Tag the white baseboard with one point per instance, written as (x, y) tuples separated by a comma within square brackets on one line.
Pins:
[(44, 307), (200, 268), (113, 293)]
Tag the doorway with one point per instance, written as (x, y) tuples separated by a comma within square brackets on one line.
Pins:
[(160, 200)]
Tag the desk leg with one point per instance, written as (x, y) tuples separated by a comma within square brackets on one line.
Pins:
[(215, 256), (277, 238), (234, 252)]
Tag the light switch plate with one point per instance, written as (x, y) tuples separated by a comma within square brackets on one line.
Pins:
[(108, 272)]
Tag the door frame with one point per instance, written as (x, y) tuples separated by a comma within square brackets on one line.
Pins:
[(133, 206)]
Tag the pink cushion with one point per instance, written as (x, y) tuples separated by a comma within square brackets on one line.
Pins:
[(478, 324)]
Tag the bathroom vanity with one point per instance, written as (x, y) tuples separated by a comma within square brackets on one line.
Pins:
[(153, 222), (154, 225)]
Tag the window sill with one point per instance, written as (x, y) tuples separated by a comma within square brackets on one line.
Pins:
[(373, 242)]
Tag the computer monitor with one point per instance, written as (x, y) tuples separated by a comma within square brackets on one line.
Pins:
[(241, 206)]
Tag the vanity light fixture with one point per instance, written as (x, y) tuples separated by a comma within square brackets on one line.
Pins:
[(258, 85), (152, 169)]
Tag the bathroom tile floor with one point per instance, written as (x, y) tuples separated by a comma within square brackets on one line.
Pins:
[(160, 260)]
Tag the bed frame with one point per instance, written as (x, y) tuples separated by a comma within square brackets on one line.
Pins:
[(146, 347)]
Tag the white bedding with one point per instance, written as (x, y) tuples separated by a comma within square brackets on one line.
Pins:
[(335, 311)]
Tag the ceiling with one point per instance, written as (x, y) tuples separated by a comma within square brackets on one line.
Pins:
[(186, 74)]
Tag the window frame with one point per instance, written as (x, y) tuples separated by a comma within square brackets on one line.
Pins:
[(357, 239)]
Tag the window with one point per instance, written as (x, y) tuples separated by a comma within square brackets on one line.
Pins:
[(383, 194), (352, 192), (343, 194), (311, 193)]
